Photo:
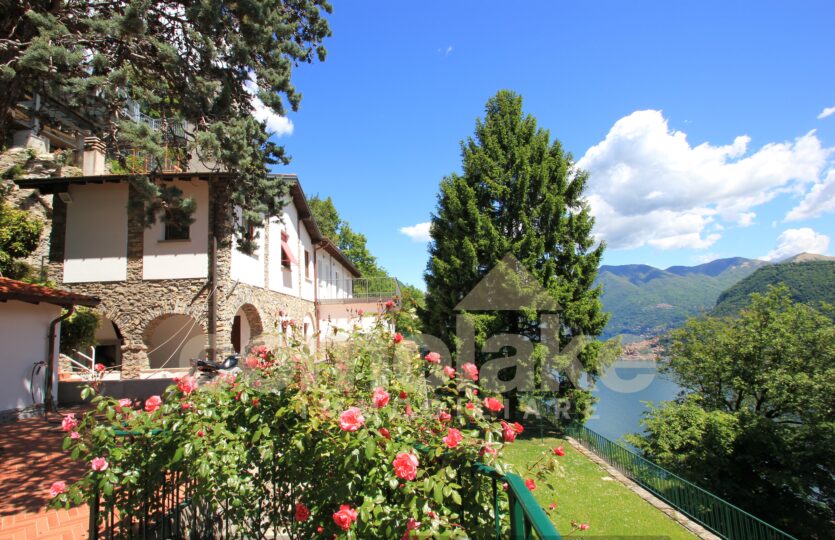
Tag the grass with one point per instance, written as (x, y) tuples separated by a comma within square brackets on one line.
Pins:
[(583, 495)]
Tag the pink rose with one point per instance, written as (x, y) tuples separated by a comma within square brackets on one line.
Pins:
[(380, 397), (398, 337), (57, 488), (99, 464), (552, 505), (470, 371), (302, 512), (510, 431), (351, 419), (493, 404), (453, 437), (100, 368), (487, 449), (124, 403), (449, 371), (530, 484), (69, 423), (470, 406), (405, 465), (185, 405), (345, 517), (252, 362), (433, 358), (444, 417), (152, 403), (409, 411), (75, 435), (584, 526), (558, 451), (187, 385), (411, 525)]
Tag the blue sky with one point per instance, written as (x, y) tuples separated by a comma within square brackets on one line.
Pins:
[(702, 120)]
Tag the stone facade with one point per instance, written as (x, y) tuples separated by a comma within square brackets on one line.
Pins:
[(137, 306)]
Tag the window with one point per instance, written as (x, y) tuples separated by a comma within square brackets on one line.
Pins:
[(177, 225), (306, 264), (286, 254)]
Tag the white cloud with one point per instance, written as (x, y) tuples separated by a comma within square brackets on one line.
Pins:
[(276, 124), (418, 233), (794, 241), (828, 111), (819, 200), (648, 185)]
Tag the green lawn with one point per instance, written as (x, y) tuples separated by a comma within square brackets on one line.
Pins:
[(608, 506)]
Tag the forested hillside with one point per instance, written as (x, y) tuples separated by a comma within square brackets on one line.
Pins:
[(647, 300), (809, 282)]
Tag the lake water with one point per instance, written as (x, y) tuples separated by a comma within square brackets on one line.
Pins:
[(621, 393)]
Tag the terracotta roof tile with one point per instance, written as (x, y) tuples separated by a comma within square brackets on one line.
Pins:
[(11, 289)]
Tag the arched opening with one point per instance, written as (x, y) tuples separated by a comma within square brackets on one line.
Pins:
[(308, 328), (173, 340), (109, 341), (246, 326)]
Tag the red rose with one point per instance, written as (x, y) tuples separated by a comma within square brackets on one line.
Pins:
[(384, 432), (411, 525), (530, 484), (493, 404), (433, 358), (453, 437), (398, 337), (508, 432), (380, 397), (470, 406), (252, 362), (487, 449), (345, 517), (470, 371), (517, 427), (186, 385), (405, 465), (559, 451), (444, 417), (100, 368), (403, 394), (302, 512), (389, 304), (351, 419), (152, 403)]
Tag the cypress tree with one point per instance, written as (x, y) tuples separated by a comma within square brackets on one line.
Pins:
[(518, 193)]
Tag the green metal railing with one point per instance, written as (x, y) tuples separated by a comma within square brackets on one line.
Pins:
[(712, 512), (362, 289), (526, 516)]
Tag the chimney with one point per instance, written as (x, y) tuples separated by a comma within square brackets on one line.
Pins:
[(92, 163)]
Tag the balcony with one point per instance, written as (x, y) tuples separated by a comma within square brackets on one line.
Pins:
[(359, 290)]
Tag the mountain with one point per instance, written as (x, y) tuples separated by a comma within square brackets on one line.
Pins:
[(810, 279), (644, 300)]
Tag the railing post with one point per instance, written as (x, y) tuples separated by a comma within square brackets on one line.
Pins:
[(517, 517)]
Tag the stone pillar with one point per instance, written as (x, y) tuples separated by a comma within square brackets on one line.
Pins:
[(93, 160), (134, 358), (26, 138), (136, 242), (57, 236)]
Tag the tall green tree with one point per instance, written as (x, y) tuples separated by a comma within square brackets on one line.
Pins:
[(519, 192), (205, 62), (757, 422), (339, 231)]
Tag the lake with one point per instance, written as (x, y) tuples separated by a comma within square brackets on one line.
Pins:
[(621, 392)]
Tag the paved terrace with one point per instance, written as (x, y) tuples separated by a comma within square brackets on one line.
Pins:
[(31, 459)]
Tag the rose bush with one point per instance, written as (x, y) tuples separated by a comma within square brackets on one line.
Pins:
[(312, 446)]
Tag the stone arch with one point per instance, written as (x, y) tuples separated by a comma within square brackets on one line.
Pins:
[(173, 339), (246, 326)]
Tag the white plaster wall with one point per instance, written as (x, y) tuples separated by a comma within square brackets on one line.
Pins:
[(246, 331), (281, 279), (23, 341), (333, 277), (245, 268), (308, 287), (180, 259), (96, 245)]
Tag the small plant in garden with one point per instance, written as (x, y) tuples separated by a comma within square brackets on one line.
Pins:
[(358, 445)]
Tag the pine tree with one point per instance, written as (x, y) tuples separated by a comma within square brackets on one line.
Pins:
[(519, 193), (200, 61)]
